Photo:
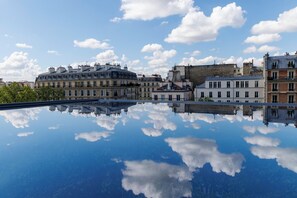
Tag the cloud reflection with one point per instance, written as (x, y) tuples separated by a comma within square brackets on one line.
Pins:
[(197, 152), (262, 141), (158, 180), (285, 157), (92, 136), (20, 118)]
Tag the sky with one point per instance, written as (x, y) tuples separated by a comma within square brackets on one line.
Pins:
[(149, 36)]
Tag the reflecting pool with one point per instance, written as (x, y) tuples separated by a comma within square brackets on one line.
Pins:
[(148, 150)]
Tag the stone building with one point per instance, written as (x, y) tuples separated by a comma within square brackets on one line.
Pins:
[(2, 83), (197, 74), (148, 84), (99, 81), (232, 89), (280, 74)]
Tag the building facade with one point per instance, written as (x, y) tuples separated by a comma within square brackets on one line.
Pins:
[(99, 81), (280, 74), (232, 89), (173, 91), (148, 84)]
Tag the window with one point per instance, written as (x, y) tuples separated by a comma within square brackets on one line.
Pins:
[(291, 75), (242, 84), (107, 93), (291, 86), (219, 84), (101, 83), (228, 84), (102, 93), (291, 114), (148, 89), (115, 83), (274, 75), (274, 87), (82, 92), (228, 100), (107, 83), (94, 83), (69, 93), (210, 94), (237, 94), (246, 94), (88, 92), (178, 97), (170, 97), (274, 98), (274, 113), (275, 65), (219, 94), (228, 94), (75, 93), (237, 84), (215, 85), (155, 97), (291, 99), (88, 84), (256, 83), (237, 100), (162, 97), (256, 94), (246, 83), (210, 84), (202, 94), (94, 92)]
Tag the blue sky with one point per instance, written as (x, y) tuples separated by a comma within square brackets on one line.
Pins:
[(150, 36)]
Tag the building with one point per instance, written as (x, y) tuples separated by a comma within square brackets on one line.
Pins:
[(231, 89), (23, 83), (282, 115), (280, 73), (197, 74), (148, 84), (174, 88), (2, 83), (99, 81), (248, 69)]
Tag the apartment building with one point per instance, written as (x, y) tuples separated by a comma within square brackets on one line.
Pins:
[(231, 89), (98, 81), (280, 74), (148, 84)]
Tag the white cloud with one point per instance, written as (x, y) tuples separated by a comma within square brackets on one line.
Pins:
[(23, 45), (164, 22), (92, 136), (25, 134), (267, 48), (285, 157), (262, 141), (54, 52), (196, 153), (262, 49), (152, 132), (196, 27), (156, 179), (251, 49), (20, 118), (107, 56), (152, 47), (195, 53), (250, 129), (284, 23), (151, 9), (18, 66), (54, 127), (263, 38), (115, 20), (91, 43), (196, 126)]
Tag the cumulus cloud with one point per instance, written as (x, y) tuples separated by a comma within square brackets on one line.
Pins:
[(25, 134), (151, 9), (284, 23), (23, 45), (92, 136), (261, 49), (152, 47), (20, 118), (18, 66), (91, 43), (263, 38), (115, 20), (56, 127), (262, 141), (197, 27), (156, 179), (107, 56), (197, 152), (285, 157)]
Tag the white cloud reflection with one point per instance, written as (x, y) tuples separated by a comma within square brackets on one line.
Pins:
[(107, 122), (285, 157), (25, 134), (92, 136), (262, 141), (158, 180), (197, 152), (20, 118), (261, 129)]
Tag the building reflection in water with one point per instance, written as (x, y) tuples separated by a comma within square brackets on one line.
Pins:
[(104, 108), (285, 114)]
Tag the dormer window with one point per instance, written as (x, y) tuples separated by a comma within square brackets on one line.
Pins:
[(275, 65), (291, 64)]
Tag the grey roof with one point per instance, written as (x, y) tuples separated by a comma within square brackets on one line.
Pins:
[(235, 78)]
